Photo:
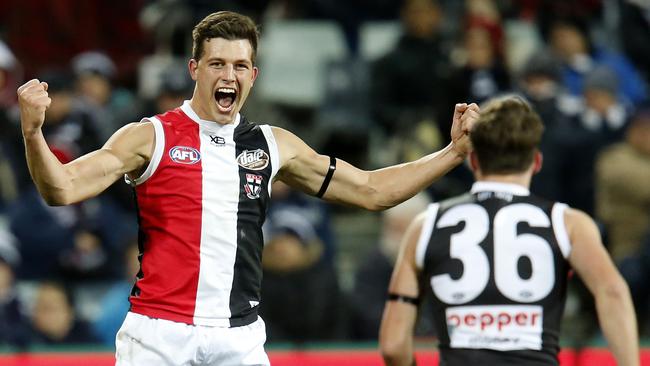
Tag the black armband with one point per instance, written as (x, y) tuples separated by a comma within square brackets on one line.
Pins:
[(405, 299), (328, 177)]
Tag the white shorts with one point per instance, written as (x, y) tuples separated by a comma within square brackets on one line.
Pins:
[(144, 341)]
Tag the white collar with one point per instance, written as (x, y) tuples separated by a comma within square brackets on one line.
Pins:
[(515, 189), (187, 109)]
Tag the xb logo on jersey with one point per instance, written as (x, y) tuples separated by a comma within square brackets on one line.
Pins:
[(253, 186), (217, 140), (184, 155)]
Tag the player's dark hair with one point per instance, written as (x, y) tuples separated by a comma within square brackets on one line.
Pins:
[(506, 135), (224, 24)]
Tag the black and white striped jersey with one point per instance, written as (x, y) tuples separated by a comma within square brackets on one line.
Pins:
[(495, 260)]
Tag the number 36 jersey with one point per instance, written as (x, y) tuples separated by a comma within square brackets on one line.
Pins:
[(495, 260)]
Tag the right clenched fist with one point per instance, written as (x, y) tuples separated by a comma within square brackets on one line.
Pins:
[(33, 100)]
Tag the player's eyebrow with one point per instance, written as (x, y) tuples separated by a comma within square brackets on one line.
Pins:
[(236, 61)]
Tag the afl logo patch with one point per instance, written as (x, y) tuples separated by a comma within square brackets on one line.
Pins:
[(184, 155), (253, 160)]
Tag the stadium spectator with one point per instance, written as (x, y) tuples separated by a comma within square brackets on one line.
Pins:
[(366, 300), (569, 40), (622, 176), (409, 84), (175, 86), (14, 324), (115, 303), (300, 290), (109, 105), (599, 121), (13, 173), (54, 318), (623, 205), (483, 72)]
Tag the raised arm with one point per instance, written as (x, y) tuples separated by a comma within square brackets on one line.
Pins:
[(613, 302), (60, 184), (303, 168), (400, 314)]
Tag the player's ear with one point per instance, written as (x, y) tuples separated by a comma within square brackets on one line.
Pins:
[(538, 161), (256, 72), (192, 66), (473, 162)]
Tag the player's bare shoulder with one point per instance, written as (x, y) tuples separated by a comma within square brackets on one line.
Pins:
[(133, 146), (286, 141), (411, 239), (290, 146), (136, 138), (577, 222)]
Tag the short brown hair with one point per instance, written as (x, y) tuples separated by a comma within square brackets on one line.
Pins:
[(224, 24), (506, 135)]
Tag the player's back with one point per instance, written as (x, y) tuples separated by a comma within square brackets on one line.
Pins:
[(495, 260)]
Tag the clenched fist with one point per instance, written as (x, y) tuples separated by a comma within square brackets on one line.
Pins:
[(464, 118), (33, 100)]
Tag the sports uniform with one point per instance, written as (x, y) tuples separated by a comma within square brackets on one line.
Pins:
[(495, 260), (201, 204)]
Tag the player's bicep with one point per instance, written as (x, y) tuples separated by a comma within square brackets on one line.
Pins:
[(305, 169), (131, 147), (404, 280), (400, 312), (127, 150)]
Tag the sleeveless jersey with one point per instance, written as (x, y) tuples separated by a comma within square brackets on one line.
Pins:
[(201, 202), (495, 260)]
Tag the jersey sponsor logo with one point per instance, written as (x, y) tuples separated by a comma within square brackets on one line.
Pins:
[(253, 186), (217, 140), (253, 160), (497, 327), (184, 155)]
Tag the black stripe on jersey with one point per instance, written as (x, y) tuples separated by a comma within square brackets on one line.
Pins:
[(251, 213), (135, 291)]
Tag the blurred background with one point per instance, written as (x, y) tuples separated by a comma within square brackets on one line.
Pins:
[(371, 82)]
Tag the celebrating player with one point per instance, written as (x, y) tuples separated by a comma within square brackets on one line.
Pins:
[(202, 174), (497, 260)]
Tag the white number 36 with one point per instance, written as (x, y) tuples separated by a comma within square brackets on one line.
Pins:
[(508, 249)]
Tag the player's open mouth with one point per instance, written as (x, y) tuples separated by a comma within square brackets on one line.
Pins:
[(225, 98)]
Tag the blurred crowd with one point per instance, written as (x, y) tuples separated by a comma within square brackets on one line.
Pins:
[(375, 83)]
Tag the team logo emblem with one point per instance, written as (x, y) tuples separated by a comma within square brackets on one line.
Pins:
[(253, 160), (253, 186), (184, 155)]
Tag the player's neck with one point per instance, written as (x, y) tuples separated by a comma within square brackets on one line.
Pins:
[(518, 179)]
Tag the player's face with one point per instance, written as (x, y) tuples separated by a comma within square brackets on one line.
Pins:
[(224, 76)]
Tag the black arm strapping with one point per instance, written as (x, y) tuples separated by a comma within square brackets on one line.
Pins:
[(328, 177), (405, 299)]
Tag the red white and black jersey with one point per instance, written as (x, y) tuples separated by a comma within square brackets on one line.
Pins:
[(202, 201), (495, 260)]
